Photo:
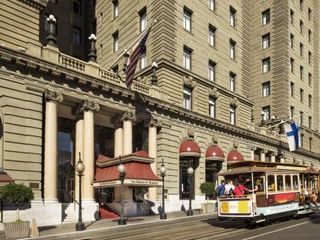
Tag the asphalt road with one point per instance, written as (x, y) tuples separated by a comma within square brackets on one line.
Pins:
[(205, 228)]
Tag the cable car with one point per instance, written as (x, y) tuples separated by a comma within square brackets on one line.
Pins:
[(272, 190)]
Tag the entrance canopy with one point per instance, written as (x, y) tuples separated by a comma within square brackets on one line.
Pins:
[(138, 171), (5, 178)]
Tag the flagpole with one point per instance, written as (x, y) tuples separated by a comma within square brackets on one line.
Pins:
[(132, 44)]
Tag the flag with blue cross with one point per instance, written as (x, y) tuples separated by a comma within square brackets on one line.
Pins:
[(293, 135)]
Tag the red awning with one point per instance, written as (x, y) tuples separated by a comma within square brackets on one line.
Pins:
[(189, 148), (5, 178), (234, 156), (137, 174), (215, 153)]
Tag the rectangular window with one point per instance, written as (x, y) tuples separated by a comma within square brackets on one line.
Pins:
[(232, 49), (310, 122), (266, 65), (212, 4), (266, 41), (301, 50), (309, 36), (187, 19), (291, 16), (115, 8), (76, 35), (301, 94), (212, 71), (301, 5), (187, 58), (301, 119), (143, 58), (77, 6), (265, 17), (232, 112), (266, 89), (288, 187), (212, 36), (212, 107), (309, 14), (271, 183), (309, 57), (291, 40), (143, 19), (233, 13), (266, 113), (309, 79), (291, 111), (280, 183), (187, 98), (232, 81), (115, 41), (301, 72), (301, 27), (291, 89), (310, 101), (291, 65)]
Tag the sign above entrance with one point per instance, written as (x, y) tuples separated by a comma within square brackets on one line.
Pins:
[(128, 182)]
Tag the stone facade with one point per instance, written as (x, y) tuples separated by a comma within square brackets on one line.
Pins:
[(43, 89)]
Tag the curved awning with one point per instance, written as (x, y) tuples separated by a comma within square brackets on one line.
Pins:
[(214, 153), (189, 148), (137, 174), (234, 156), (5, 178)]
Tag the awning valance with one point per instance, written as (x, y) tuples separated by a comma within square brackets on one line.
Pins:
[(137, 174), (189, 148), (214, 153)]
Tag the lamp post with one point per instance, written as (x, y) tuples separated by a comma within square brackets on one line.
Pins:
[(126, 56), (51, 39), (92, 53), (163, 171), (80, 169), (190, 173), (122, 174)]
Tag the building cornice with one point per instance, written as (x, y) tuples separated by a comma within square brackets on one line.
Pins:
[(38, 4)]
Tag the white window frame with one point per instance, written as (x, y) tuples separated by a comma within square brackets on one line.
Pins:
[(232, 16), (143, 59), (212, 71), (232, 49), (212, 107), (187, 18), (187, 98), (266, 89), (266, 65), (212, 36), (232, 81), (265, 17), (143, 20), (232, 114), (266, 41), (115, 42), (266, 113), (115, 8), (212, 5), (187, 58)]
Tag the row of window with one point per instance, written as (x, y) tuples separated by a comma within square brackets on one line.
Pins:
[(301, 24), (301, 95), (301, 69), (187, 104)]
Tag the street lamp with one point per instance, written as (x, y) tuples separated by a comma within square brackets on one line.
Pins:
[(80, 169), (92, 53), (190, 173), (122, 174), (51, 39), (163, 171)]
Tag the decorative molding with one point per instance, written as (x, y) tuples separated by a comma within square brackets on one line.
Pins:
[(234, 101), (154, 122), (90, 105), (128, 115), (189, 82), (214, 92), (38, 4), (190, 133), (53, 96)]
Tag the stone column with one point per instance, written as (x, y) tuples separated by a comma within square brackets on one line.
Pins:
[(51, 146), (252, 153), (88, 109), (127, 119), (78, 149), (273, 157), (262, 155), (118, 139), (152, 149)]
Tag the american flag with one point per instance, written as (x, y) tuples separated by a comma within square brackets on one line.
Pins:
[(134, 57)]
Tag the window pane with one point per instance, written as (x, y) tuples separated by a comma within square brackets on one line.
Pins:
[(271, 183), (280, 183)]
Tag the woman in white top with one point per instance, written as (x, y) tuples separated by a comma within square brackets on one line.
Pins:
[(227, 188)]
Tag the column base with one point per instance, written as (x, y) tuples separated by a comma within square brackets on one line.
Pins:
[(163, 216), (122, 221), (189, 212), (80, 226)]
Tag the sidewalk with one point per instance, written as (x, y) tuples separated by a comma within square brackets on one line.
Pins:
[(106, 223)]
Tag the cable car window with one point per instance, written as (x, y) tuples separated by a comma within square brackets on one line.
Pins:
[(288, 183), (271, 184), (280, 183), (295, 182), (260, 184)]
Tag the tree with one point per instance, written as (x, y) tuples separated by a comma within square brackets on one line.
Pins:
[(207, 188), (16, 193)]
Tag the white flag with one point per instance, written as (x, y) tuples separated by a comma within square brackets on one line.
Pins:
[(293, 136)]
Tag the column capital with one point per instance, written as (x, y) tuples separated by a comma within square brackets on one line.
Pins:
[(154, 122), (53, 96), (89, 105), (128, 115)]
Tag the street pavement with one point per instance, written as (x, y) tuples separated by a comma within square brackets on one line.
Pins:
[(180, 227)]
